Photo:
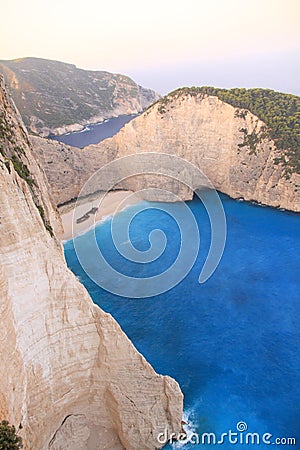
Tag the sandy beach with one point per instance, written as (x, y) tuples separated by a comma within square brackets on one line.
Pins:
[(84, 214)]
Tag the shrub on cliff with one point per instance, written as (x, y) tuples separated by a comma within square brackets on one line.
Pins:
[(9, 440)]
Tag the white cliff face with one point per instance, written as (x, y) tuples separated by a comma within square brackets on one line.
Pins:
[(67, 168), (69, 376), (200, 129), (207, 132)]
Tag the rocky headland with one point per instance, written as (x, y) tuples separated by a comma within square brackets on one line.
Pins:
[(69, 377), (230, 145), (55, 97)]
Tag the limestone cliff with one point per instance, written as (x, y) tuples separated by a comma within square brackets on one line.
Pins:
[(230, 146), (69, 377), (55, 97), (67, 168)]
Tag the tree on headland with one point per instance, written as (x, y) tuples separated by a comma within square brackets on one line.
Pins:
[(9, 440), (279, 111)]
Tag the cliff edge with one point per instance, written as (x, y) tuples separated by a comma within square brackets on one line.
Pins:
[(232, 146), (69, 377)]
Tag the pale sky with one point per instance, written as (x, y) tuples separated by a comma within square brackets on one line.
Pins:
[(163, 44)]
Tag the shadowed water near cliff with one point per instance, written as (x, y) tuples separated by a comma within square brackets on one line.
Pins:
[(232, 343), (94, 133)]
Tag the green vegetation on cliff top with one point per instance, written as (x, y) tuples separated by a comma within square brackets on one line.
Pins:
[(52, 94), (279, 111), (14, 154)]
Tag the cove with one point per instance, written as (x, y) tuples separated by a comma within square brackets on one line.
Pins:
[(94, 133), (233, 342)]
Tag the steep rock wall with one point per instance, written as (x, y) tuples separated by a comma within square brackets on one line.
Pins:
[(203, 130), (207, 132), (69, 377)]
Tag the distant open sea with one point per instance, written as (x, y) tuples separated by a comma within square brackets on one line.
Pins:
[(233, 342)]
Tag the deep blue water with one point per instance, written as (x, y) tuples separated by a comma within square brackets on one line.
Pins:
[(94, 133), (233, 342)]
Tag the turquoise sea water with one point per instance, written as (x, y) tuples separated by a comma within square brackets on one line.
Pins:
[(233, 342)]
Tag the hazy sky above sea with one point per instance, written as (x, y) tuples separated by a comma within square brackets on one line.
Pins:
[(163, 44)]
